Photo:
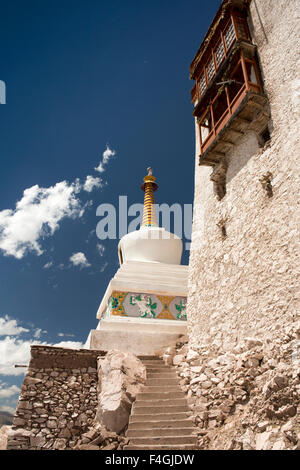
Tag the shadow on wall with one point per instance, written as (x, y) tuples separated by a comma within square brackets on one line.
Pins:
[(260, 21)]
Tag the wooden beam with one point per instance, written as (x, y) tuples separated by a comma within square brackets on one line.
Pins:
[(206, 161), (258, 117), (231, 144), (243, 120), (236, 131), (254, 104), (218, 154)]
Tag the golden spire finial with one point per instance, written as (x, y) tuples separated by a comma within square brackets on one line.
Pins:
[(149, 186)]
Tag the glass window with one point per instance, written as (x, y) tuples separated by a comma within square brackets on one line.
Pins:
[(251, 73), (220, 106), (238, 81), (202, 84), (229, 35), (205, 127), (210, 68), (220, 53)]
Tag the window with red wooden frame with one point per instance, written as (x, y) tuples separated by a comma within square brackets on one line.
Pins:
[(202, 84), (217, 102), (205, 127), (219, 53)]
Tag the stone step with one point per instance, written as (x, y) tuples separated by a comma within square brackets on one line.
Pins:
[(172, 423), (159, 395), (159, 367), (148, 418), (159, 432), (171, 382), (164, 440), (160, 415), (161, 447), (154, 362), (149, 358), (159, 403), (158, 370), (163, 388), (156, 410), (162, 375)]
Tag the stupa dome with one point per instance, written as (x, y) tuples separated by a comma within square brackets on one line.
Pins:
[(150, 243)]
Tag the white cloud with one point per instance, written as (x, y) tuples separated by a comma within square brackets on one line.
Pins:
[(103, 267), (38, 332), (8, 409), (106, 156), (65, 334), (14, 351), (10, 327), (100, 248), (37, 215), (79, 259), (17, 351), (92, 182), (8, 391), (48, 265)]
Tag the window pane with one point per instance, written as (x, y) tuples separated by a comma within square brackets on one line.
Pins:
[(220, 106), (202, 84), (251, 72), (205, 127), (210, 69), (220, 53), (238, 82), (229, 35)]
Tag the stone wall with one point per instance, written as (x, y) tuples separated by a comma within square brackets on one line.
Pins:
[(244, 253), (247, 398), (58, 399)]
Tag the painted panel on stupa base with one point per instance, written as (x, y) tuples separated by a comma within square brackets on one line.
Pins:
[(139, 305)]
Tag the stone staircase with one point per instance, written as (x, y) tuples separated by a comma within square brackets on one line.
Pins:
[(160, 415)]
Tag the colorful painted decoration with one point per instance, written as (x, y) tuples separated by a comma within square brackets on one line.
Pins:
[(181, 309), (145, 305), (140, 305)]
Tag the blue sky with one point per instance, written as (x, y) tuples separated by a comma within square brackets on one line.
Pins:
[(85, 80)]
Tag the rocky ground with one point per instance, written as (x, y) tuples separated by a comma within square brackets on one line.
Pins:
[(241, 399), (246, 398), (84, 408), (98, 438)]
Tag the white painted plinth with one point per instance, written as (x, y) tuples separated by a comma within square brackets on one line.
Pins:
[(141, 336)]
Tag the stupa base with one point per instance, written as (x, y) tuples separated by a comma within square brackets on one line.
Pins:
[(137, 335)]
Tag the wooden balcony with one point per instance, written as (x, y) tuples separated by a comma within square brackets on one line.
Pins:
[(248, 111), (206, 65), (230, 107), (228, 95)]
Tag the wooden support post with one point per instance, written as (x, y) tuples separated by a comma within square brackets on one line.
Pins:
[(244, 71), (212, 119)]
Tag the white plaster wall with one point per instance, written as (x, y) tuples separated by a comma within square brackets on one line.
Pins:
[(246, 284)]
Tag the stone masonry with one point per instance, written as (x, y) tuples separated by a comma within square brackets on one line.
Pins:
[(76, 399), (244, 259), (58, 399), (247, 398)]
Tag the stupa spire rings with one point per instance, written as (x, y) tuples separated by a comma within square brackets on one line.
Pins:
[(149, 186)]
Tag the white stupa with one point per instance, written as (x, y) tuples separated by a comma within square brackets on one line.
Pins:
[(144, 306)]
